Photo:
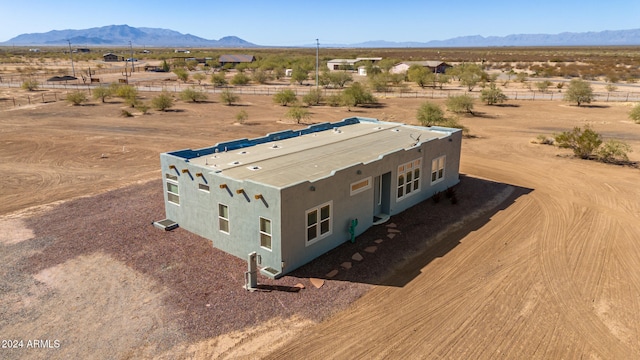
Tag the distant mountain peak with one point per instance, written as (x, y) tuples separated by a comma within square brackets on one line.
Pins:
[(122, 35)]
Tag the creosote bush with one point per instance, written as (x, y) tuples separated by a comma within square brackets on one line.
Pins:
[(77, 97)]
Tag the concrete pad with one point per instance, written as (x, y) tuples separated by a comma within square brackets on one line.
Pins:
[(371, 249), (357, 257), (317, 282)]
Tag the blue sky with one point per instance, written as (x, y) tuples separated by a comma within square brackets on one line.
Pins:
[(293, 23)]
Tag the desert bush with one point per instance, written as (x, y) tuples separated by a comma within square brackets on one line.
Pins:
[(298, 113), (125, 113), (334, 100), (543, 86), (492, 95), (285, 97), (430, 114), (614, 151), (314, 97), (77, 97), (229, 97), (635, 114), (162, 102), (182, 74), (460, 104), (356, 95), (241, 116), (583, 142), (218, 79), (30, 85), (102, 92), (193, 95), (240, 79), (579, 91), (143, 107), (544, 140)]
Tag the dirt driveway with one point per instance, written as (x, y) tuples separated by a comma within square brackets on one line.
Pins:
[(543, 268)]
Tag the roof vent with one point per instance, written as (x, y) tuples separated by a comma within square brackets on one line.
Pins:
[(274, 146), (242, 153), (395, 130), (254, 168), (235, 163)]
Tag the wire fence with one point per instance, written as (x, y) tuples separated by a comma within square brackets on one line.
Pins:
[(51, 92)]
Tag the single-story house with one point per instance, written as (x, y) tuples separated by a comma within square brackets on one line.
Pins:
[(82, 50), (348, 64), (438, 67), (112, 57), (236, 59), (293, 195)]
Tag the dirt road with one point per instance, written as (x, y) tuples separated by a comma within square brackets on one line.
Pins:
[(552, 276)]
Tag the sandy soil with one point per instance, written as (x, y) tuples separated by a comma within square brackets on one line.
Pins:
[(549, 273)]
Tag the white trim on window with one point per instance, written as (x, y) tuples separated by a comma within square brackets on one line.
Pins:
[(409, 179), (266, 232), (437, 169), (173, 190), (318, 222), (223, 219), (360, 186)]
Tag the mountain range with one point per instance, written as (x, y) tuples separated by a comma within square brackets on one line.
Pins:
[(123, 35)]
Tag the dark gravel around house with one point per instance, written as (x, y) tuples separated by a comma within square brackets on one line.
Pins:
[(203, 285)]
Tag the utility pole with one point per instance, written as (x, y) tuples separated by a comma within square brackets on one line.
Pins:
[(71, 57), (317, 50), (132, 65)]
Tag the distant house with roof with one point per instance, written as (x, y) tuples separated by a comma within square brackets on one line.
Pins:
[(437, 67), (291, 196), (236, 59), (349, 64), (112, 57)]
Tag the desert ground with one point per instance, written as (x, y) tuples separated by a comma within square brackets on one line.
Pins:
[(538, 259)]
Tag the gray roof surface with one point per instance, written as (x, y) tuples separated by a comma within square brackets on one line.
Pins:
[(314, 156)]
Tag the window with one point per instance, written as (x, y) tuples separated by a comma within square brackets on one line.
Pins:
[(437, 169), (173, 195), (409, 178), (265, 233), (223, 218), (360, 186), (203, 187), (318, 222)]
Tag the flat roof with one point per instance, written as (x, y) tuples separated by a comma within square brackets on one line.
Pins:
[(310, 156)]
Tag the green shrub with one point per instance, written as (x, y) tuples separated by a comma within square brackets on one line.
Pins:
[(460, 104), (162, 102), (298, 113), (614, 151), (285, 97), (30, 85), (583, 142), (241, 116), (193, 95), (430, 114), (314, 97), (228, 97), (77, 97), (635, 114)]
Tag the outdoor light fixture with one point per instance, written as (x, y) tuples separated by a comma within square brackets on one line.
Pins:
[(223, 186), (199, 174), (239, 191), (258, 196), (172, 166), (312, 188), (185, 171)]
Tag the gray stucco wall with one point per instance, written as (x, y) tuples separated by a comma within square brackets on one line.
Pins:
[(286, 208), (336, 189)]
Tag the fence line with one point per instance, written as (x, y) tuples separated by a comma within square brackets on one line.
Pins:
[(152, 86)]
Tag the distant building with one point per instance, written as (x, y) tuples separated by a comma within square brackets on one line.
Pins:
[(291, 196), (437, 67), (34, 50), (82, 50), (182, 51), (236, 59), (349, 64), (112, 57)]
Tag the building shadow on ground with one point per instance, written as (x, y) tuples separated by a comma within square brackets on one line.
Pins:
[(394, 253)]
